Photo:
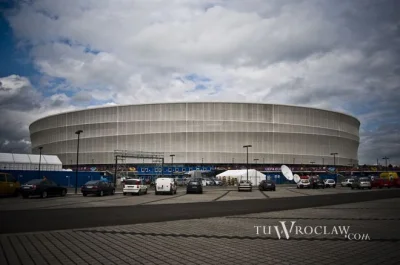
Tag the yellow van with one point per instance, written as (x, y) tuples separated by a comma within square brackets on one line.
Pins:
[(9, 185), (389, 175)]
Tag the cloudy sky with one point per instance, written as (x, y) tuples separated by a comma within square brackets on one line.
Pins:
[(59, 55)]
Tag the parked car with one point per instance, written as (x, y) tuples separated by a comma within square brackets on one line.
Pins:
[(165, 185), (304, 183), (194, 187), (134, 186), (9, 185), (217, 182), (245, 185), (42, 187), (317, 184), (209, 182), (382, 183), (98, 187), (267, 185), (330, 183), (180, 181), (347, 183), (361, 183)]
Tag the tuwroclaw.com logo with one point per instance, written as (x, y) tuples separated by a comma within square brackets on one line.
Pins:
[(286, 230)]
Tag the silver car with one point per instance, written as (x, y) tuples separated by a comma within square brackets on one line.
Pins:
[(245, 185)]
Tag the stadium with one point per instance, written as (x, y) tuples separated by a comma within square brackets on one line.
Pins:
[(206, 133)]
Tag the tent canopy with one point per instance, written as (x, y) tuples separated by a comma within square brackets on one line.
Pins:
[(12, 161), (254, 176)]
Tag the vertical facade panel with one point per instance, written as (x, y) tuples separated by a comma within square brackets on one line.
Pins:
[(214, 131)]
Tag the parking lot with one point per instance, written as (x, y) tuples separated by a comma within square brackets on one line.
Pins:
[(222, 240), (210, 194)]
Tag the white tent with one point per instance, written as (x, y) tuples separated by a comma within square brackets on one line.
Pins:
[(29, 162), (254, 176)]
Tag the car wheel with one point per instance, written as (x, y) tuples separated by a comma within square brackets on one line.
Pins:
[(156, 193), (145, 192), (113, 192), (84, 194), (101, 194), (369, 188), (352, 188), (334, 186), (238, 190), (16, 193), (44, 194), (124, 193), (63, 193)]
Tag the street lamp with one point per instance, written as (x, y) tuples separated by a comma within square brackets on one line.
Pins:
[(386, 158), (172, 163), (77, 161), (334, 163), (40, 157), (202, 159), (256, 159), (247, 160)]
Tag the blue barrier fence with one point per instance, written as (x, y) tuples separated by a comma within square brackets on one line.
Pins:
[(63, 178)]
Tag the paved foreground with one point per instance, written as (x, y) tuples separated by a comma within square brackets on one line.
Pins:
[(46, 219), (225, 240)]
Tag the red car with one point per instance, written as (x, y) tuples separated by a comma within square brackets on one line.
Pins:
[(382, 183), (396, 183)]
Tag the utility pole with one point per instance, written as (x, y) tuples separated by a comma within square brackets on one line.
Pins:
[(386, 158), (40, 158), (334, 164), (247, 160), (77, 161)]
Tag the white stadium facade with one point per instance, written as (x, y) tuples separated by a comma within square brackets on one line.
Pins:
[(211, 133)]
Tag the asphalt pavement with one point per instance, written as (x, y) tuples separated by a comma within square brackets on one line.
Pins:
[(17, 221)]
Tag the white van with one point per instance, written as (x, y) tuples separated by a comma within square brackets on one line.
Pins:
[(165, 185)]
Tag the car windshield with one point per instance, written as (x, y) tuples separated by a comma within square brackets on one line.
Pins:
[(330, 181), (34, 181), (92, 182), (194, 183), (132, 182)]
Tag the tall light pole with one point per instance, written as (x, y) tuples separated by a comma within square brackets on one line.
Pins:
[(334, 164), (172, 163), (247, 160), (202, 159), (323, 161), (77, 161), (256, 159), (40, 157), (386, 158)]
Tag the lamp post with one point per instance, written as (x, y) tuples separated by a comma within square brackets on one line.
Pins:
[(77, 161), (334, 163), (323, 162), (202, 159), (247, 160), (386, 158), (172, 163), (256, 159), (40, 157)]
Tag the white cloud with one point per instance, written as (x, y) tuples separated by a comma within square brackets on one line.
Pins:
[(339, 56)]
